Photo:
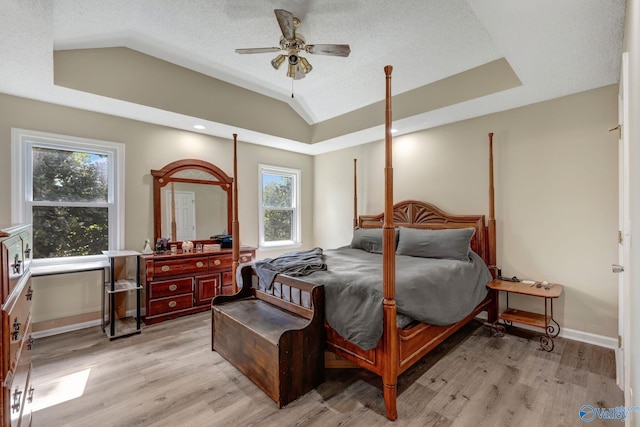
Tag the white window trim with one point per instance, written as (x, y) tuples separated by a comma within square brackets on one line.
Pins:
[(20, 144), (297, 227)]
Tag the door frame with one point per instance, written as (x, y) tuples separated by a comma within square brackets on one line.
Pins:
[(192, 212), (623, 362)]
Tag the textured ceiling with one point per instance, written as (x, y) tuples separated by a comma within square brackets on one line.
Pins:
[(555, 47)]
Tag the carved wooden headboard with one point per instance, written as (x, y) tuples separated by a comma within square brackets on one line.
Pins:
[(414, 214)]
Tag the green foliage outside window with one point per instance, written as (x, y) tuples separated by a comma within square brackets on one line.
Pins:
[(65, 185), (277, 194)]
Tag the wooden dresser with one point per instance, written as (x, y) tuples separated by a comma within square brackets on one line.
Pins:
[(16, 292), (185, 283)]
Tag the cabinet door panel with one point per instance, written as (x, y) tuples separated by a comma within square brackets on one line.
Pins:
[(207, 287)]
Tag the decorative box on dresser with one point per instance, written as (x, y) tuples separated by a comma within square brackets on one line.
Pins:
[(15, 283), (185, 283)]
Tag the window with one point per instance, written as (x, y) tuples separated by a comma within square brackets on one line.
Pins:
[(69, 189), (279, 201)]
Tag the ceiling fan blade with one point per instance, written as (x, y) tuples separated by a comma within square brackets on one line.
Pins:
[(285, 20), (329, 49), (258, 50)]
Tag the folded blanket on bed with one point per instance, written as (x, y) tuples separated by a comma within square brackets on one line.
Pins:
[(297, 263)]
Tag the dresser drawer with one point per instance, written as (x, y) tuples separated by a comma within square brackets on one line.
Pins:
[(16, 321), (14, 262), (27, 251), (20, 394), (220, 261), (166, 288), (227, 278), (245, 257), (173, 267), (227, 283), (166, 305)]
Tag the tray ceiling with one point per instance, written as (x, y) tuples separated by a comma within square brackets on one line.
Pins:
[(547, 49)]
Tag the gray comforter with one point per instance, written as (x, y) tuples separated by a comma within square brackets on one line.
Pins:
[(295, 264), (429, 290)]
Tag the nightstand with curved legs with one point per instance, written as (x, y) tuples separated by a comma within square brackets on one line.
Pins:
[(544, 321)]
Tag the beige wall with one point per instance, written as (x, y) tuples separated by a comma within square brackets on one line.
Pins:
[(556, 194), (147, 147), (556, 190)]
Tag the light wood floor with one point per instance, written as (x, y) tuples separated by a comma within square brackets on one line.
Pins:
[(168, 376)]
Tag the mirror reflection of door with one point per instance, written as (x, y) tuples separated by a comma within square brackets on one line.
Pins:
[(185, 213)]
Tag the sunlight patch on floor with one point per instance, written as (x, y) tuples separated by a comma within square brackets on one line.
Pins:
[(61, 389)]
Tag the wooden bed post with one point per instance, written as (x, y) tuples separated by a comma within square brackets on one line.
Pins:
[(492, 309), (355, 194), (492, 214), (235, 226), (391, 362)]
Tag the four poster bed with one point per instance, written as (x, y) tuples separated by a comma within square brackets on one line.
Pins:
[(402, 340)]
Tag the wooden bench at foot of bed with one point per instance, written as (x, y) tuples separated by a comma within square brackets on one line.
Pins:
[(275, 339)]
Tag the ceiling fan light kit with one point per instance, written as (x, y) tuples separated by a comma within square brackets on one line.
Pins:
[(294, 43), (277, 61)]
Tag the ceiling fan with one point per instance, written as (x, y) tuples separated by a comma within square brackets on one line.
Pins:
[(293, 43)]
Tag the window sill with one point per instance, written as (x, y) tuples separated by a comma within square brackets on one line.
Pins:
[(276, 247), (77, 265), (51, 270)]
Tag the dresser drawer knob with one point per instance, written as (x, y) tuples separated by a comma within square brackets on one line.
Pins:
[(172, 304), (30, 395), (29, 294), (217, 262), (173, 287), (16, 264), (199, 264), (16, 329), (30, 343), (244, 258), (17, 394), (165, 268)]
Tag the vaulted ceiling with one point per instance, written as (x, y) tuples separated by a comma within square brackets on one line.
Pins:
[(174, 62)]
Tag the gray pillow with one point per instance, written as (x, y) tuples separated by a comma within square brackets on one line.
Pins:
[(450, 243), (369, 239)]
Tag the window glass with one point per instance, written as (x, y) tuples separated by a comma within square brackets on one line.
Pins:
[(69, 176), (279, 201)]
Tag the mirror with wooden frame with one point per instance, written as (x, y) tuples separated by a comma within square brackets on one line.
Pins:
[(191, 201)]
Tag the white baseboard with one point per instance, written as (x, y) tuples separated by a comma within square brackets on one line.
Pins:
[(77, 326), (66, 328), (572, 334), (567, 333)]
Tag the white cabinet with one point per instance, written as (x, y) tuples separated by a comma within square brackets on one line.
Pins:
[(122, 295)]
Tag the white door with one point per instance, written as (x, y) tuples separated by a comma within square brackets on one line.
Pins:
[(623, 369), (185, 214)]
